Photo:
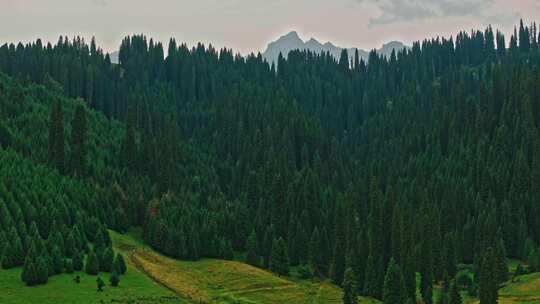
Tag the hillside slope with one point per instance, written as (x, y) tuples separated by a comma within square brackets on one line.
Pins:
[(218, 281)]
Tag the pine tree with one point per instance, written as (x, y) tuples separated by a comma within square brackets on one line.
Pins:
[(29, 273), (56, 138), (114, 279), (337, 269), (394, 288), (106, 260), (78, 142), (7, 258), (68, 265), (252, 257), (129, 145), (279, 259), (78, 261), (100, 284), (349, 287), (42, 271), (119, 264), (92, 263), (315, 256), (454, 296), (57, 260), (488, 280), (502, 263)]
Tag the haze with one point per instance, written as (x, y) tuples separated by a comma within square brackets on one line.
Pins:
[(247, 26)]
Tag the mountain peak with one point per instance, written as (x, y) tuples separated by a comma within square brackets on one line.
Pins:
[(292, 41), (293, 35)]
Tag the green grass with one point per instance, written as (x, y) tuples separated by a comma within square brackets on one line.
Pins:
[(154, 278), (135, 287), (218, 281)]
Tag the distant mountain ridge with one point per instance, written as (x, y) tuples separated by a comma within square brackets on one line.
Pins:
[(114, 57), (292, 41)]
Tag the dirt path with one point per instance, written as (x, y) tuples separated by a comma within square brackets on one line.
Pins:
[(137, 264)]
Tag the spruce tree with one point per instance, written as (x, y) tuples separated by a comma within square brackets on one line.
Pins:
[(100, 284), (78, 142), (488, 279), (502, 263), (56, 138), (279, 259), (114, 279), (42, 271), (119, 264), (337, 269), (78, 262), (92, 263), (454, 296), (252, 257), (349, 287), (106, 260), (68, 265), (394, 288)]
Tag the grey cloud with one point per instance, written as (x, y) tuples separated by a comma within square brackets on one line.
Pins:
[(410, 10), (100, 2)]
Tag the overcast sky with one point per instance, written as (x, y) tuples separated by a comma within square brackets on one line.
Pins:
[(248, 25)]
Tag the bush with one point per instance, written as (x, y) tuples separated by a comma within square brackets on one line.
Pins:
[(69, 266), (114, 279), (100, 284), (92, 264), (463, 280), (305, 272), (119, 264)]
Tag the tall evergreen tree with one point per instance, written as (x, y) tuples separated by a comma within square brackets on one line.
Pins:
[(488, 279), (394, 288), (56, 138), (349, 287), (252, 257), (78, 142), (279, 259)]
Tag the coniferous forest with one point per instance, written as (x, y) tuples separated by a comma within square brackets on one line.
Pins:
[(372, 174)]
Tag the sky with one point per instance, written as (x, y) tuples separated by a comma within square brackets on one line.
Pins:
[(248, 25)]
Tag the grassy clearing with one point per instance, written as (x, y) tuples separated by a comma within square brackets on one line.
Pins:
[(217, 281), (135, 287), (523, 289)]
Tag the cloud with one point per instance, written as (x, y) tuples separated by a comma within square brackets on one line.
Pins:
[(395, 11), (100, 2)]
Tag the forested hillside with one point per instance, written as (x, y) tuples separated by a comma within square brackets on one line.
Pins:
[(365, 173)]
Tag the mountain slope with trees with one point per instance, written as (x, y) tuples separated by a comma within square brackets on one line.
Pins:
[(429, 158)]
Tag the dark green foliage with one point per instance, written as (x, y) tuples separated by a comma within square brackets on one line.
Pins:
[(68, 266), (29, 273), (454, 297), (119, 265), (92, 263), (78, 261), (100, 284), (394, 287), (279, 259), (429, 156), (337, 269), (106, 260), (42, 270), (488, 280), (519, 270), (349, 287), (56, 138), (79, 131), (305, 272), (114, 279), (56, 260), (252, 257)]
